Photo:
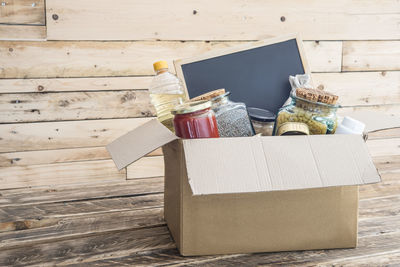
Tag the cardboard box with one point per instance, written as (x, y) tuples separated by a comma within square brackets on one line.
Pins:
[(256, 194)]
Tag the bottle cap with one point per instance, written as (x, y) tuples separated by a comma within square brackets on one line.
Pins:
[(162, 64), (258, 114), (191, 106), (293, 128)]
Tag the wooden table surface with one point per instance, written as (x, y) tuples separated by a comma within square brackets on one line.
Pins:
[(122, 224)]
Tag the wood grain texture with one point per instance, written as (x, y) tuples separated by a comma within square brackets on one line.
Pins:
[(388, 133), (126, 242), (60, 173), (30, 107), (324, 56), (151, 218), (88, 248), (123, 58), (361, 88), (384, 147), (379, 207), (388, 109), (22, 12), (353, 88), (372, 55), (225, 20), (146, 167), (159, 257), (73, 84), (45, 229), (81, 208), (388, 258), (72, 193), (389, 186), (78, 172), (22, 33), (69, 134), (369, 245), (369, 227), (52, 156), (26, 158), (387, 164)]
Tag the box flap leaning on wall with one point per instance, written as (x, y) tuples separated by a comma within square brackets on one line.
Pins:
[(256, 164)]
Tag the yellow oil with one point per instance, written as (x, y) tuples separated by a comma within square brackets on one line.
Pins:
[(164, 103)]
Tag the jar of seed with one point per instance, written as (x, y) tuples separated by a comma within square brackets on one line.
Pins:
[(232, 117), (320, 117)]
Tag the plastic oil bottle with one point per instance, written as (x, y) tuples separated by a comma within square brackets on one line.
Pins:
[(166, 92)]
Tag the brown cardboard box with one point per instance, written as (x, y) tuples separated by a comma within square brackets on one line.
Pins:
[(256, 194)]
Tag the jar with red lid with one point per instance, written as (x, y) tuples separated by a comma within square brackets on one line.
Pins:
[(195, 120)]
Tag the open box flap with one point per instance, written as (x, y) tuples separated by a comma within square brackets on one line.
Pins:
[(139, 142), (255, 164)]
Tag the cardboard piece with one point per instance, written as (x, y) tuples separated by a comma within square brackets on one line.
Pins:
[(319, 218), (271, 163), (256, 194), (126, 149)]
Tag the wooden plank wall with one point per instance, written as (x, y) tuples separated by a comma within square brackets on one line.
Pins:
[(73, 74)]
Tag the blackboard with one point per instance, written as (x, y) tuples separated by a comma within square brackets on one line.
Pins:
[(257, 75)]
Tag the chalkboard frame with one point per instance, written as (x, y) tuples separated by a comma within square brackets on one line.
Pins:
[(239, 48)]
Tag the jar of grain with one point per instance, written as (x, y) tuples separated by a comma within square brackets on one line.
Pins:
[(320, 117)]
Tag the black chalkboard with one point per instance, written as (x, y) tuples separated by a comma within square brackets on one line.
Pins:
[(257, 76)]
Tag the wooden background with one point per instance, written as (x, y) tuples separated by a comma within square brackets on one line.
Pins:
[(73, 74)]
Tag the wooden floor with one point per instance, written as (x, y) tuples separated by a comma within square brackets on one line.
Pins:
[(122, 224)]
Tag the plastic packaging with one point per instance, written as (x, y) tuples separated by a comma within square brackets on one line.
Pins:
[(166, 92)]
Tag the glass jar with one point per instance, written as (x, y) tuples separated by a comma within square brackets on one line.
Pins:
[(232, 118), (320, 117), (195, 120), (263, 121)]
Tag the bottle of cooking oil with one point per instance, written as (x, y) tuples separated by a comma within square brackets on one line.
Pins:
[(166, 92)]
